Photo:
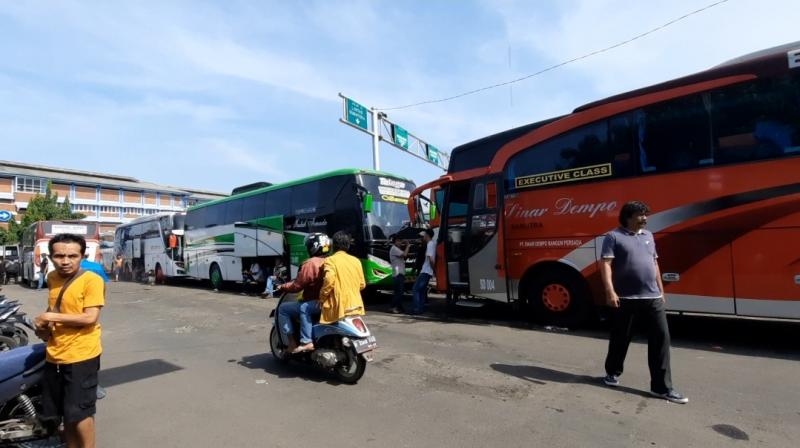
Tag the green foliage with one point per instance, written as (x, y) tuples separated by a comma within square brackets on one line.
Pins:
[(44, 208), (7, 236)]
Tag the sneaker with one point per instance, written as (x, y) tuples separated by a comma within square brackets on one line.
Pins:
[(396, 310), (611, 380), (673, 396)]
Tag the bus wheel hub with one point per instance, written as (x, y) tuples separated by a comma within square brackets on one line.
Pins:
[(556, 297)]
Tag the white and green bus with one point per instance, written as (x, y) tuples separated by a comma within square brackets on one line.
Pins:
[(225, 236)]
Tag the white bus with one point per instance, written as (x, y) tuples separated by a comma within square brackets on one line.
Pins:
[(145, 246)]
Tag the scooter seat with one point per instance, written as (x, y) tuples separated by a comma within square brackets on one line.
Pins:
[(16, 361)]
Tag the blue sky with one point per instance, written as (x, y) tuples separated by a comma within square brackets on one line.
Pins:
[(213, 95)]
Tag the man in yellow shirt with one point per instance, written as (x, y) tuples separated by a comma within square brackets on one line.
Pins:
[(342, 283), (70, 327)]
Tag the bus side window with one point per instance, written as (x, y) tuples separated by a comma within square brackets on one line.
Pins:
[(675, 135), (756, 120), (621, 131), (253, 207), (233, 211), (215, 215), (479, 196)]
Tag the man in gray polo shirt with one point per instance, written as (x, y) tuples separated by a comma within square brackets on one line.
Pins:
[(632, 281)]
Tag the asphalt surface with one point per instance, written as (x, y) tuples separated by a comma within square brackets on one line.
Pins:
[(187, 367)]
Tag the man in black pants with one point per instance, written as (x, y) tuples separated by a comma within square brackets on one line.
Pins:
[(634, 291)]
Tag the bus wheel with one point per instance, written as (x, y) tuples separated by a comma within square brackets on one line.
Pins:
[(215, 275), (558, 297), (160, 278)]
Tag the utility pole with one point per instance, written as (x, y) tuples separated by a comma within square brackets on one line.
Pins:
[(376, 140), (355, 115)]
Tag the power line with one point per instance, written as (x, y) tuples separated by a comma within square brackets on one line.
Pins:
[(561, 64)]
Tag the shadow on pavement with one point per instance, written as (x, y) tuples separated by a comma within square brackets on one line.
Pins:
[(543, 375), (293, 369), (136, 371)]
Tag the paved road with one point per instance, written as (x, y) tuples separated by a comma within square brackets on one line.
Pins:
[(186, 367)]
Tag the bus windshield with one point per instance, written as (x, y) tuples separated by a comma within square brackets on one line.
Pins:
[(386, 218), (389, 210)]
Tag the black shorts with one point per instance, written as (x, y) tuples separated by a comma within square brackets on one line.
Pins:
[(70, 390)]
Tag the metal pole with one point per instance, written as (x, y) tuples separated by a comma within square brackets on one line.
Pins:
[(376, 140)]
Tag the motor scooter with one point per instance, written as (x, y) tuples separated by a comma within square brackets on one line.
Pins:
[(344, 347)]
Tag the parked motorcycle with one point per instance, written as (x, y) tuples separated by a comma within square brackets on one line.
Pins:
[(21, 372), (13, 323), (343, 347)]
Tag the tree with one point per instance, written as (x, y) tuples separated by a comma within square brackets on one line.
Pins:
[(44, 208), (8, 236)]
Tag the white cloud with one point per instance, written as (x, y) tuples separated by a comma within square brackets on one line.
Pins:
[(239, 156), (225, 57)]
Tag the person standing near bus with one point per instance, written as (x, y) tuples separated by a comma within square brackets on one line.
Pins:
[(72, 331), (634, 291), (118, 262), (397, 258), (420, 289), (173, 245), (43, 264)]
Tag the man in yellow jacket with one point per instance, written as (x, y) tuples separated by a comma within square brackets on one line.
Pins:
[(342, 283)]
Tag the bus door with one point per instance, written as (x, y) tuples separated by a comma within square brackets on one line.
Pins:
[(454, 227), (482, 241)]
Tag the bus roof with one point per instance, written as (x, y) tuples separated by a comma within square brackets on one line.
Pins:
[(59, 221), (479, 153), (304, 180), (771, 60), (147, 218)]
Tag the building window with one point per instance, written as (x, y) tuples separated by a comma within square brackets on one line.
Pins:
[(31, 185)]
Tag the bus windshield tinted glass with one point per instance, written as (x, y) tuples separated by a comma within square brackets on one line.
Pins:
[(386, 218), (389, 207)]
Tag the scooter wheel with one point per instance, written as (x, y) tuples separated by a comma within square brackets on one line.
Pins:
[(276, 347), (350, 371), (7, 343)]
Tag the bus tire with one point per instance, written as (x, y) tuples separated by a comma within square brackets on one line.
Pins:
[(215, 277), (557, 296)]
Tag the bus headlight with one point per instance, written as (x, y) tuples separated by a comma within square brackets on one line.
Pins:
[(379, 261)]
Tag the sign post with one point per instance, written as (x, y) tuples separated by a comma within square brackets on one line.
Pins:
[(380, 128)]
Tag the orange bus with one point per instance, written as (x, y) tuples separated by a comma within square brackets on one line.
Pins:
[(521, 215)]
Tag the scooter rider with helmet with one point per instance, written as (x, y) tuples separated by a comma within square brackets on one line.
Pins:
[(309, 281)]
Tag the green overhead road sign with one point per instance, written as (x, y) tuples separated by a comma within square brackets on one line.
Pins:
[(400, 136), (433, 154), (356, 114)]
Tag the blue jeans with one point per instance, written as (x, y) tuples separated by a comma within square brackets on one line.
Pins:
[(269, 290), (307, 312), (421, 292), (399, 286), (41, 280)]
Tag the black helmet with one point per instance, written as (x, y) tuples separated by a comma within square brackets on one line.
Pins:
[(317, 244)]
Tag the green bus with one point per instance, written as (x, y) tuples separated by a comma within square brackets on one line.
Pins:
[(225, 236)]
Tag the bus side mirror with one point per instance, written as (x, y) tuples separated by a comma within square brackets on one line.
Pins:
[(367, 203)]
